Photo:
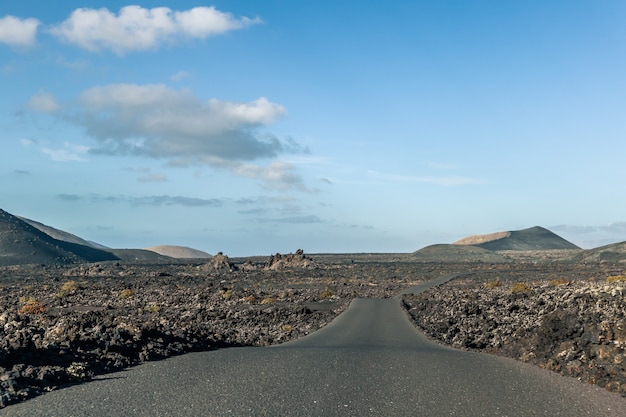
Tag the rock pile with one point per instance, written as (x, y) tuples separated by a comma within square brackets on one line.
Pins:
[(574, 328), (219, 262), (297, 260)]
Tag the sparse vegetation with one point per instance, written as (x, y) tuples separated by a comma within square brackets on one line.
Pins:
[(79, 371), (268, 300), (494, 284), (559, 281), (616, 278), (68, 288), (520, 288), (127, 293), (327, 293), (31, 306), (152, 308)]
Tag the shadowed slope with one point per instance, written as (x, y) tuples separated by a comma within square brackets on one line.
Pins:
[(615, 252), (61, 235), (21, 243), (456, 253)]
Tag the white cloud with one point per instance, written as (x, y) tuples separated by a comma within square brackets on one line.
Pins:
[(18, 32), (276, 175), (157, 121), (136, 28), (161, 122), (70, 152), (43, 102)]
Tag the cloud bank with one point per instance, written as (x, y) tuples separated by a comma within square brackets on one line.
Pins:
[(18, 32), (160, 122), (136, 28)]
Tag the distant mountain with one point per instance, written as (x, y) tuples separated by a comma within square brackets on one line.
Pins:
[(140, 255), (534, 238), (456, 253), (615, 252), (22, 243), (60, 234), (180, 252)]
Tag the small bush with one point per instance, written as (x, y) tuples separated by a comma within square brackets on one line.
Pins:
[(68, 288), (268, 300), (79, 371), (493, 284), (560, 281), (127, 293), (287, 328), (31, 306), (227, 294), (249, 298), (152, 308), (616, 278), (520, 287), (326, 294)]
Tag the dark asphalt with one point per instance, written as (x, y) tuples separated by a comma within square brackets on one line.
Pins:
[(370, 361)]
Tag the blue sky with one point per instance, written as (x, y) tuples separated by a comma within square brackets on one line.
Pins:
[(254, 127)]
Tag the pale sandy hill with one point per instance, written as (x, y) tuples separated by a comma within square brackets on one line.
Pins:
[(534, 238), (180, 252), (480, 239)]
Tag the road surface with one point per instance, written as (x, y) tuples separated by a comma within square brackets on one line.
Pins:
[(370, 361)]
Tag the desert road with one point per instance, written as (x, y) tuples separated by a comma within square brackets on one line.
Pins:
[(370, 361)]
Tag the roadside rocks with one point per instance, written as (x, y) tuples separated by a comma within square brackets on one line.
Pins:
[(575, 328), (61, 326)]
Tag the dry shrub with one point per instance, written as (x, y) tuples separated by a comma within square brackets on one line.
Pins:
[(559, 281), (32, 306), (326, 294), (616, 278), (127, 293), (520, 287), (268, 300), (68, 288), (493, 284), (249, 298)]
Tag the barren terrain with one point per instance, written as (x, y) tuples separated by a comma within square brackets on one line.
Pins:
[(61, 325)]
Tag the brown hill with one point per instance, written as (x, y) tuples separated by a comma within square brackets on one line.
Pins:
[(534, 238), (179, 252), (21, 243), (456, 253), (615, 252)]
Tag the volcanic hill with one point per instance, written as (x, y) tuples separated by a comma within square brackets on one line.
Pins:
[(179, 252), (534, 238), (22, 243), (456, 253)]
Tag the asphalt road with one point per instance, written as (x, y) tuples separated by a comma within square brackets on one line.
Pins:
[(370, 361)]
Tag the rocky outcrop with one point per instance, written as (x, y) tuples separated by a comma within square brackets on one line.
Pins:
[(219, 262), (574, 328), (295, 260)]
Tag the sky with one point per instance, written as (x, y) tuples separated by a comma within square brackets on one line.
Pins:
[(255, 127)]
